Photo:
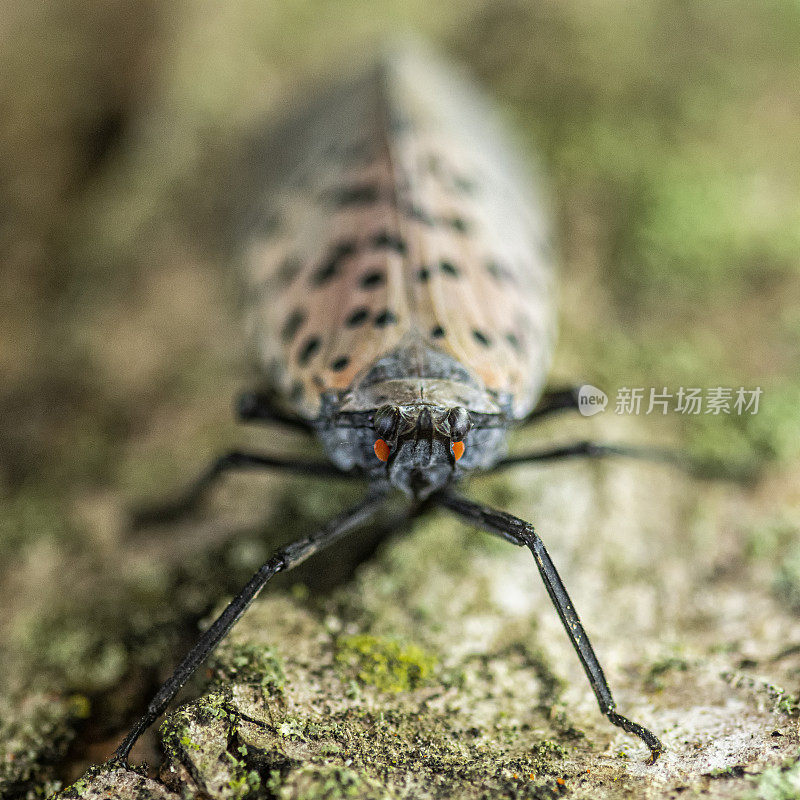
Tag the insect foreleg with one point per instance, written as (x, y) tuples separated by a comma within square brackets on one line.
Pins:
[(283, 560), (587, 449), (513, 528), (226, 463)]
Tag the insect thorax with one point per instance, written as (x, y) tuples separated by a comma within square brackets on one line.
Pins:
[(419, 401)]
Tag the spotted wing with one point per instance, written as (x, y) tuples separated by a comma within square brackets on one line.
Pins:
[(327, 292), (480, 274), (399, 215)]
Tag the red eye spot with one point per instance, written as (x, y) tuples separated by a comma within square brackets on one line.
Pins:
[(458, 449), (382, 450)]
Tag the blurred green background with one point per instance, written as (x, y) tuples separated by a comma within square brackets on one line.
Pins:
[(669, 133)]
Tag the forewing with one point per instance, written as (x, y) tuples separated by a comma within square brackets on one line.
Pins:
[(401, 212), (482, 283), (326, 281)]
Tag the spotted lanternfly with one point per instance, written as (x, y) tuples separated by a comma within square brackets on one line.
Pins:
[(400, 297)]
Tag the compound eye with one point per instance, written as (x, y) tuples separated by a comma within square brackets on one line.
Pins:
[(385, 421), (460, 423)]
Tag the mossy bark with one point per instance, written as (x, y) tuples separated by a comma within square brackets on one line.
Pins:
[(441, 670)]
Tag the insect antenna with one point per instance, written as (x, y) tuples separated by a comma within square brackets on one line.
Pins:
[(516, 530), (283, 560)]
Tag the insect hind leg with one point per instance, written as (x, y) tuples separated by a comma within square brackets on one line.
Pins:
[(522, 533)]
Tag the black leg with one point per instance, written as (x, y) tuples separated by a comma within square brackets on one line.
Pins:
[(514, 529), (553, 401), (230, 461), (284, 559), (260, 407), (586, 449)]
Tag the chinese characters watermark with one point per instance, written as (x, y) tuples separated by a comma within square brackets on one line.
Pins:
[(714, 400)]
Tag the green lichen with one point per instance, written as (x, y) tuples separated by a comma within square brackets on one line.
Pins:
[(248, 663), (548, 750), (292, 729), (654, 679), (245, 783), (204, 735), (388, 664), (777, 783), (35, 732), (326, 782), (179, 729), (786, 584), (789, 704)]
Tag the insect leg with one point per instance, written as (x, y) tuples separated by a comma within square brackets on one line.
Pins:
[(587, 449), (259, 406), (226, 463), (283, 560), (514, 529)]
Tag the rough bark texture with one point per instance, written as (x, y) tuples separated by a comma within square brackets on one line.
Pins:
[(440, 669)]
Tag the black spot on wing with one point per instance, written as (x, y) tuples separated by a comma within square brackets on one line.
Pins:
[(433, 164), (457, 224), (357, 317), (292, 325), (514, 341), (448, 268), (387, 240), (420, 215), (385, 318), (400, 124), (308, 350), (500, 272), (438, 332), (481, 338), (372, 279), (464, 184), (340, 364), (272, 224), (330, 268), (423, 275)]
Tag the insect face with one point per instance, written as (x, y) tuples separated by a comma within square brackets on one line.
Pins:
[(420, 444)]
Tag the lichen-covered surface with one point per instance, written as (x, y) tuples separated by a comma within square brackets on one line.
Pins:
[(440, 669), (432, 666)]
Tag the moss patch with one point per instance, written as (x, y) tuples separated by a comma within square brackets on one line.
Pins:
[(326, 782), (388, 664)]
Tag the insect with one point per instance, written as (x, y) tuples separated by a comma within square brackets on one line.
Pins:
[(400, 299)]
